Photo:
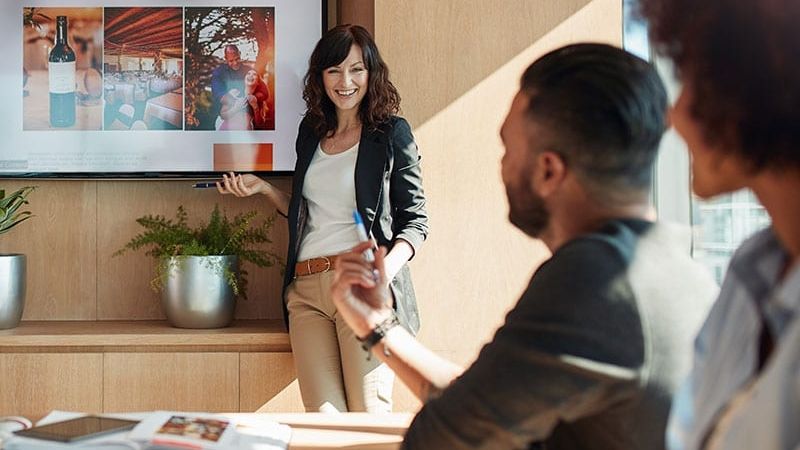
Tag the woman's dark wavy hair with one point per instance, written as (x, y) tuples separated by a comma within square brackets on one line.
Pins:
[(381, 100), (742, 60)]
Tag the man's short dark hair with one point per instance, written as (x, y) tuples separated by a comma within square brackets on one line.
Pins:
[(232, 48), (742, 59), (603, 111)]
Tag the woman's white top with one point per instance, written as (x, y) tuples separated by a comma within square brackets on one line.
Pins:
[(330, 190)]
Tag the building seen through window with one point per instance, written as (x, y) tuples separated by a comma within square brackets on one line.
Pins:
[(721, 224)]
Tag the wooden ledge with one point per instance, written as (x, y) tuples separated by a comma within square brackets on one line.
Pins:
[(142, 336), (396, 423)]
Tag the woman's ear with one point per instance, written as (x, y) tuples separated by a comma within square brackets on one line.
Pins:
[(549, 173)]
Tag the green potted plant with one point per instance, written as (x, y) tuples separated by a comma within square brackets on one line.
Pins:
[(197, 269), (12, 265)]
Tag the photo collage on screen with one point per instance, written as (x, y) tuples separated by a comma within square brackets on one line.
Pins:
[(148, 68)]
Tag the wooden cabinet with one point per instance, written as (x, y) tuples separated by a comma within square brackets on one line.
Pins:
[(173, 381), (268, 383), (118, 366), (31, 384)]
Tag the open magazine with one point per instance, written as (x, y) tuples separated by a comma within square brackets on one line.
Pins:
[(165, 429), (172, 430)]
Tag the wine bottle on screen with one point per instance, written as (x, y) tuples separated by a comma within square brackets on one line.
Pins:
[(61, 69)]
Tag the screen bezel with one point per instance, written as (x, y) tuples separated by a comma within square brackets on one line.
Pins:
[(157, 175), (132, 176), (106, 425)]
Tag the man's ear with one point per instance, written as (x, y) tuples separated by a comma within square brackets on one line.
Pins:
[(549, 173)]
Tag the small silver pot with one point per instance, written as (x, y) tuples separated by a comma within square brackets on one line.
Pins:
[(12, 289), (196, 293)]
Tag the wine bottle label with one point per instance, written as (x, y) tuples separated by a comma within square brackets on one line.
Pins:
[(62, 77)]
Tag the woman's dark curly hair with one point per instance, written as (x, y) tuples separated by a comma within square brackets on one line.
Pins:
[(742, 61), (381, 100)]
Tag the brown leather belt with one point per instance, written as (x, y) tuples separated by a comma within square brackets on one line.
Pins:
[(315, 265)]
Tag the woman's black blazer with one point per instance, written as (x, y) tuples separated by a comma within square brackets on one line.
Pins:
[(389, 197)]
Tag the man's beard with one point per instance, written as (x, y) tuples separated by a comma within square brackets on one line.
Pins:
[(527, 210)]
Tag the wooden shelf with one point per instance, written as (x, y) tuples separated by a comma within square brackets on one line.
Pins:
[(142, 336)]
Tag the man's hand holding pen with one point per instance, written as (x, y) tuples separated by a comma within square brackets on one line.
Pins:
[(362, 298)]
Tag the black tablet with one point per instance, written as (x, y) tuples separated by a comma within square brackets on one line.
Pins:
[(77, 429)]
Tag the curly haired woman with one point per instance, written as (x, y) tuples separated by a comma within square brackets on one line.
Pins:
[(353, 153)]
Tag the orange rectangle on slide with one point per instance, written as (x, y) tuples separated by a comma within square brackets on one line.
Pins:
[(242, 157)]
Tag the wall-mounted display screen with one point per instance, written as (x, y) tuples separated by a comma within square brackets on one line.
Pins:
[(148, 88)]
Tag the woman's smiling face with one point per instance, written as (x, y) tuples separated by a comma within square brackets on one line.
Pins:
[(346, 84)]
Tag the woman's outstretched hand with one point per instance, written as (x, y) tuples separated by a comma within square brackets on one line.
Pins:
[(242, 185), (245, 185)]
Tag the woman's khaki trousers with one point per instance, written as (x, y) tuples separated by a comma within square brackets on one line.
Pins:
[(332, 368)]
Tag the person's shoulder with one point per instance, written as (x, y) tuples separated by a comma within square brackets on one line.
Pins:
[(395, 120), (632, 243), (397, 130), (753, 247), (399, 125), (662, 262), (614, 240), (583, 299), (584, 262), (668, 246), (306, 127), (761, 252), (589, 264), (392, 126), (219, 69)]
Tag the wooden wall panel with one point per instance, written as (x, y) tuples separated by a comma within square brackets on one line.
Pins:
[(332, 14), (172, 381), (269, 383), (35, 384), (439, 51), (60, 244), (358, 12), (123, 286)]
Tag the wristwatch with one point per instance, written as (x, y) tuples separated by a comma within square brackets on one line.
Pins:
[(378, 333)]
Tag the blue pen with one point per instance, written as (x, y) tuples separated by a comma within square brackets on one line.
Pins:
[(362, 235), (208, 184)]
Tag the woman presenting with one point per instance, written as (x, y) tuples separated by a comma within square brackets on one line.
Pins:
[(353, 153)]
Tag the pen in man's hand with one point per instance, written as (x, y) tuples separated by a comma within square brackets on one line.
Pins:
[(206, 184)]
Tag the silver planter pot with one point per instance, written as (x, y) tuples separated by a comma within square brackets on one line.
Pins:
[(12, 290), (196, 294)]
